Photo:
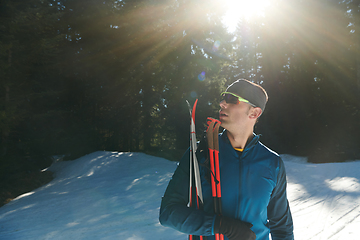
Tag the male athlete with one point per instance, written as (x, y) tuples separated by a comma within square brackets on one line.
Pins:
[(253, 178)]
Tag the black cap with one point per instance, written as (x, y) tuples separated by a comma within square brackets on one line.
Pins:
[(250, 91)]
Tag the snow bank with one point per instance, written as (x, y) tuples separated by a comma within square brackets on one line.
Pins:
[(111, 195), (324, 199), (104, 195)]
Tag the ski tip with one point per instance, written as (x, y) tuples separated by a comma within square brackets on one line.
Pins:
[(194, 106), (189, 102), (193, 110)]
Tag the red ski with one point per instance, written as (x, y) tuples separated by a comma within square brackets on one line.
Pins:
[(194, 167)]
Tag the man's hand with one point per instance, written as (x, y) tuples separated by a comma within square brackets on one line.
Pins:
[(234, 229)]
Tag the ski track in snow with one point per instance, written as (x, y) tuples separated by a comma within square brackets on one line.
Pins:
[(324, 199), (111, 195)]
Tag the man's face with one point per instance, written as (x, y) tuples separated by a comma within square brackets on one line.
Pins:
[(233, 115)]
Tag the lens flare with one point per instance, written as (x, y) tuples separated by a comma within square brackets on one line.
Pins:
[(216, 45), (193, 94), (201, 76)]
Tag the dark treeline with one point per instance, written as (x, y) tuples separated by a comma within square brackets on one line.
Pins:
[(78, 76)]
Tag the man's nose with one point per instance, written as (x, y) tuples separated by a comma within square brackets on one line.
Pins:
[(223, 104)]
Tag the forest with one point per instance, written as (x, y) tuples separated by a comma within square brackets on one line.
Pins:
[(80, 76)]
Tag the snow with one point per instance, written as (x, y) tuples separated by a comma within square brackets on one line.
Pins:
[(115, 195)]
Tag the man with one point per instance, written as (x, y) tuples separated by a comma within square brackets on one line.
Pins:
[(253, 178)]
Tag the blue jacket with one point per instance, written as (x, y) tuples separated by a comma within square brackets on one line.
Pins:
[(253, 189)]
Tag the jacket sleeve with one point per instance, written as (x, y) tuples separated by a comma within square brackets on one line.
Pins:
[(174, 211), (279, 215)]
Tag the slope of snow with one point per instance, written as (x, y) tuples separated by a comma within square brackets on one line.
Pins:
[(111, 195), (324, 199)]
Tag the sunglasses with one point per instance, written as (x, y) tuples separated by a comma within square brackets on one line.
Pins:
[(232, 98)]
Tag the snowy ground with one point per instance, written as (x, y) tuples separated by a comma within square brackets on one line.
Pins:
[(110, 195)]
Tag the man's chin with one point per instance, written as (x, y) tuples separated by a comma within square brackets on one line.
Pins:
[(223, 122)]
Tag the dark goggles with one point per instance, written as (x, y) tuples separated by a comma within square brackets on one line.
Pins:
[(232, 98)]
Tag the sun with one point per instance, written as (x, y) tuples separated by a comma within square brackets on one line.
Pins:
[(249, 9)]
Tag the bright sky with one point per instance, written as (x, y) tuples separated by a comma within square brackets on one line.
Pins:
[(242, 8)]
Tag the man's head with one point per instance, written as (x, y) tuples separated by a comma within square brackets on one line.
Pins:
[(253, 93), (243, 102)]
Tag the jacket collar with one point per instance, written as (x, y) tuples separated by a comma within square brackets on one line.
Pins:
[(248, 146)]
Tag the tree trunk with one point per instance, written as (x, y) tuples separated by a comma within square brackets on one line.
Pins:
[(356, 16), (6, 129), (357, 32)]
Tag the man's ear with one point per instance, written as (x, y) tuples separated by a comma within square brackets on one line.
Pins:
[(255, 113)]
